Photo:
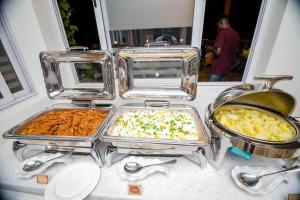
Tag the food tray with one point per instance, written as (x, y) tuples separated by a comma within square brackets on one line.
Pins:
[(54, 139), (203, 138), (260, 110)]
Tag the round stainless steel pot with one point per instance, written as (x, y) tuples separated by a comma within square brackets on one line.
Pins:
[(263, 97)]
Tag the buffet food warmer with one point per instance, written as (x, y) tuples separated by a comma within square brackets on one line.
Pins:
[(253, 119), (73, 126), (156, 127)]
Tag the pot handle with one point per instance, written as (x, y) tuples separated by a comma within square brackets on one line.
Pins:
[(78, 48), (271, 80)]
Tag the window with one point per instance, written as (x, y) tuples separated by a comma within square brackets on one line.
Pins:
[(243, 16), (14, 83), (139, 23), (80, 29)]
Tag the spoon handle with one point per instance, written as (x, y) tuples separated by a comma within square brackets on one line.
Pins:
[(63, 155), (162, 163), (292, 169)]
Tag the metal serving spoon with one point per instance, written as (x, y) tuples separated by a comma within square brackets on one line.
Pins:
[(251, 180), (35, 164), (133, 167)]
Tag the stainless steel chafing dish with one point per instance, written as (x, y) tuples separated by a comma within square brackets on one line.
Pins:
[(159, 60), (260, 97), (82, 99)]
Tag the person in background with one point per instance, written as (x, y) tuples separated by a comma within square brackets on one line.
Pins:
[(243, 57), (225, 49), (167, 37), (245, 51)]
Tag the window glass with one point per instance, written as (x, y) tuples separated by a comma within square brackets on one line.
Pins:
[(157, 69), (79, 22), (80, 27), (151, 37), (8, 72), (242, 16), (89, 72), (139, 22)]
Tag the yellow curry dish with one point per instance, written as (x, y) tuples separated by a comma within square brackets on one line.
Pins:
[(255, 123)]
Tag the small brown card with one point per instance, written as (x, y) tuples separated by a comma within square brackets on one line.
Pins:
[(294, 197), (42, 179), (134, 189)]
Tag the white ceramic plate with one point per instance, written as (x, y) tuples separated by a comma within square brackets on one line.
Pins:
[(74, 182)]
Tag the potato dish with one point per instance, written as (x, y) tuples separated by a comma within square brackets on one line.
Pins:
[(77, 122), (156, 124), (255, 123)]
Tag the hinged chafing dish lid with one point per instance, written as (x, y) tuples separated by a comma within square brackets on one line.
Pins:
[(178, 66), (56, 62), (263, 95)]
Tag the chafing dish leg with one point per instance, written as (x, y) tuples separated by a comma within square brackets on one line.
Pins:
[(289, 162), (24, 151), (198, 157), (96, 154), (217, 152), (200, 154), (18, 150), (112, 156)]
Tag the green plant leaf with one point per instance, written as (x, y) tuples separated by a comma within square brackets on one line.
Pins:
[(66, 13), (65, 5), (73, 27), (62, 13)]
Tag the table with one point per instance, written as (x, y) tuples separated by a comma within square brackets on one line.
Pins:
[(186, 180)]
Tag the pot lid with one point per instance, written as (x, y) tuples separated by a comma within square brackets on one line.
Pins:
[(262, 95), (158, 72), (59, 68)]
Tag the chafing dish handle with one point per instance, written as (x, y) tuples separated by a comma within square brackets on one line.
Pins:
[(271, 80), (296, 120), (240, 152), (78, 48)]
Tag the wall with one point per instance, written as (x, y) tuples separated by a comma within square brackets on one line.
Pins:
[(268, 30), (285, 57), (30, 42), (48, 25)]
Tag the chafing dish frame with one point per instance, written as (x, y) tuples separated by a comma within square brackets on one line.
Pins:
[(80, 144), (156, 97), (193, 150), (83, 141), (81, 98), (152, 142), (222, 138)]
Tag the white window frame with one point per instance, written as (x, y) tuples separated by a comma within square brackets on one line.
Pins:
[(197, 30), (17, 63)]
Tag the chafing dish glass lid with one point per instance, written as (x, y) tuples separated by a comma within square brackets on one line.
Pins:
[(178, 67), (262, 95), (61, 70)]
